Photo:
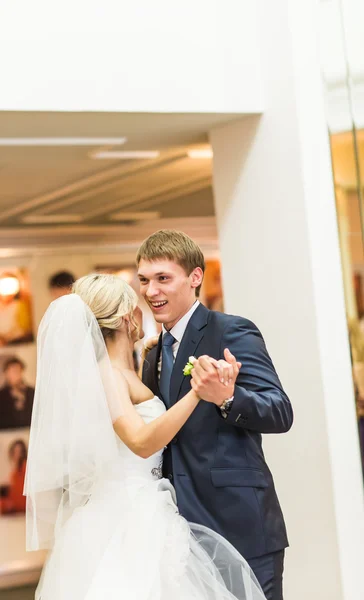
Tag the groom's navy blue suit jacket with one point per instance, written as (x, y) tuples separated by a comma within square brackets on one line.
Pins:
[(217, 466)]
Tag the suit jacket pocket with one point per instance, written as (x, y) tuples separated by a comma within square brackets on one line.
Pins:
[(238, 478)]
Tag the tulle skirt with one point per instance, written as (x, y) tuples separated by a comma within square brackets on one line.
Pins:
[(130, 543)]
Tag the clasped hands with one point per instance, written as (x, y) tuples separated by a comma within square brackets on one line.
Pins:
[(214, 380)]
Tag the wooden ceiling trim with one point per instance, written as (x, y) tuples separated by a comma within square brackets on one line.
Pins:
[(134, 200), (37, 201), (135, 170), (188, 188)]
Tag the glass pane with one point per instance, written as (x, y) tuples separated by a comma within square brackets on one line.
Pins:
[(342, 59)]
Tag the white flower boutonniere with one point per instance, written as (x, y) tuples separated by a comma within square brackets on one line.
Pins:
[(189, 366)]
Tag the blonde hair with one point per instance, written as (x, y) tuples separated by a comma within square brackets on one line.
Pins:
[(110, 298), (173, 245)]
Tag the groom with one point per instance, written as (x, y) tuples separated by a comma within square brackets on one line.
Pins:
[(216, 462)]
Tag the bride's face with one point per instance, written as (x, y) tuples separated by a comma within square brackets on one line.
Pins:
[(137, 333)]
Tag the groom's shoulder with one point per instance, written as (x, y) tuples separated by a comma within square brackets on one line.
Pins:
[(224, 321)]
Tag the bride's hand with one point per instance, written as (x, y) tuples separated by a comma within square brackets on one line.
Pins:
[(150, 343), (147, 347)]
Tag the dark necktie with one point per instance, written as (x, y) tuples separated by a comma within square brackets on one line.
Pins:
[(167, 365)]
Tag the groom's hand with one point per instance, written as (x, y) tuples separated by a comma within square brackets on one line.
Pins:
[(214, 380)]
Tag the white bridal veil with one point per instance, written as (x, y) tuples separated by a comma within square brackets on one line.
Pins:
[(75, 404)]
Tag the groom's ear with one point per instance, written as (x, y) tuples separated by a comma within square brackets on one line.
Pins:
[(196, 277)]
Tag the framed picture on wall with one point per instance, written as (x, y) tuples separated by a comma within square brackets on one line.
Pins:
[(211, 292), (17, 380), (13, 461), (17, 377), (16, 393), (16, 323)]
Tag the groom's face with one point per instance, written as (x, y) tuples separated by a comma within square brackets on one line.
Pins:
[(167, 288)]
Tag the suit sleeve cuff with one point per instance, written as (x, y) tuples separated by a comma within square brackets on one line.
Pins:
[(237, 416)]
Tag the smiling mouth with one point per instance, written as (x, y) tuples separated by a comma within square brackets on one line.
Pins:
[(158, 305)]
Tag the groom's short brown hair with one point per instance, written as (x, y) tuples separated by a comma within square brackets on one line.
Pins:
[(173, 245)]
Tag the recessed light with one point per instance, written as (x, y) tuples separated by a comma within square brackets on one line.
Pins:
[(63, 141), (51, 219), (135, 216), (203, 153), (125, 155)]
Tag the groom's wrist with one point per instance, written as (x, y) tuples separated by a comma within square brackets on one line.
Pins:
[(226, 406), (221, 403)]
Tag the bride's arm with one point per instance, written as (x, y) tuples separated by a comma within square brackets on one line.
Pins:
[(145, 439)]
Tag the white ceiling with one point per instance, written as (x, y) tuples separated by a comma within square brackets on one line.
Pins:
[(46, 190)]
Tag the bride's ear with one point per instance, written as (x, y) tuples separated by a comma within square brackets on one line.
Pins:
[(126, 323)]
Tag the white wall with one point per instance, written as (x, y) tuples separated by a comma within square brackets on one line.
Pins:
[(137, 56), (161, 56), (281, 268)]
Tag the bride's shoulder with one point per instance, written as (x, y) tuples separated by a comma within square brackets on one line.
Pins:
[(118, 374)]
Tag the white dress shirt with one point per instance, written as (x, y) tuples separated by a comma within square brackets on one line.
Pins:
[(178, 332)]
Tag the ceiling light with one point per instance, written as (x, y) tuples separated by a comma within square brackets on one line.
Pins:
[(9, 286), (135, 216), (203, 153), (51, 219), (125, 155), (63, 141)]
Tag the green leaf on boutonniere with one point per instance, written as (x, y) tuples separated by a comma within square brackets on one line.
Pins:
[(189, 366)]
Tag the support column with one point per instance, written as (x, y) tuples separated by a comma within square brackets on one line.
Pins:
[(281, 267)]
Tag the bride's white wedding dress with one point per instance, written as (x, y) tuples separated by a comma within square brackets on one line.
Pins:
[(129, 542)]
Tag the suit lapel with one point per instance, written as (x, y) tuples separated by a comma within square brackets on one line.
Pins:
[(155, 366), (189, 343)]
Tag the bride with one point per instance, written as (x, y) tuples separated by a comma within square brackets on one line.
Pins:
[(94, 487)]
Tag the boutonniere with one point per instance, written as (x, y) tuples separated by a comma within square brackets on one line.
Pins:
[(189, 366)]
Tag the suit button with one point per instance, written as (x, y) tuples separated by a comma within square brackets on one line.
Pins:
[(175, 440), (241, 418), (170, 476)]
